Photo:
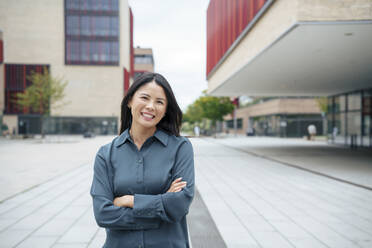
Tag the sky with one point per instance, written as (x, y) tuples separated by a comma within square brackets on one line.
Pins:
[(176, 31)]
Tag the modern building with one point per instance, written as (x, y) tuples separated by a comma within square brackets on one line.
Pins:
[(88, 43), (296, 48), (143, 61), (281, 117)]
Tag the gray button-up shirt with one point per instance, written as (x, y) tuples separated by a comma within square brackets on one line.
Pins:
[(158, 218)]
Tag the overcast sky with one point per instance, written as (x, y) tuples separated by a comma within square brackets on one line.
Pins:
[(176, 31)]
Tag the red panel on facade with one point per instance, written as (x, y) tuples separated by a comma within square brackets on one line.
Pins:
[(126, 81), (226, 19), (1, 52), (16, 81), (131, 44)]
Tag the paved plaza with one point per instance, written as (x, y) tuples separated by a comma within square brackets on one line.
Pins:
[(249, 187)]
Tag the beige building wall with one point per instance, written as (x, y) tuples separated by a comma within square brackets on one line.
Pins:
[(143, 67), (273, 107), (33, 33), (280, 16), (331, 10), (12, 122)]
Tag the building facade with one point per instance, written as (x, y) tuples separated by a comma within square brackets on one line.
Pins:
[(143, 61), (87, 43), (296, 48), (280, 117)]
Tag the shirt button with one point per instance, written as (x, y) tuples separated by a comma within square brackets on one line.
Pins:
[(140, 161)]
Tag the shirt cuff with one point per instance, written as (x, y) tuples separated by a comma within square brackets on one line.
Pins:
[(147, 206)]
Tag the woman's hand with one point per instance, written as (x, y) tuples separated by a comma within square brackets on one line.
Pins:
[(124, 201), (177, 185)]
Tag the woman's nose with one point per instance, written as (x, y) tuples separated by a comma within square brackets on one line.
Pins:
[(150, 105)]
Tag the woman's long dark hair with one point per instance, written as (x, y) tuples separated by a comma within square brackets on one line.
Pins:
[(171, 122)]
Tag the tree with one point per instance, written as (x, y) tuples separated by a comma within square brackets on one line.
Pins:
[(193, 114), (323, 106), (43, 93), (322, 103), (214, 108)]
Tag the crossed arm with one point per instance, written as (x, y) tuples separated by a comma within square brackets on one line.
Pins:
[(128, 200)]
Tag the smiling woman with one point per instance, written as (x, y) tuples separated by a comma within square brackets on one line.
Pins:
[(143, 180)]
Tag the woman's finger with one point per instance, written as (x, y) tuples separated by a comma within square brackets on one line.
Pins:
[(179, 184), (177, 180)]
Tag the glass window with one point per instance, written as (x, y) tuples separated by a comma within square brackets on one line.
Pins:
[(85, 27), (85, 51), (143, 59), (336, 107), (75, 51), (354, 101), (105, 5), (353, 123), (115, 51), (84, 5), (114, 26), (72, 25), (72, 4), (99, 44), (330, 105), (343, 103), (367, 118), (114, 4), (90, 4)]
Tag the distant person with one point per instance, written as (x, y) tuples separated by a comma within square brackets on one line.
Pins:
[(335, 132), (143, 181), (196, 131), (312, 131)]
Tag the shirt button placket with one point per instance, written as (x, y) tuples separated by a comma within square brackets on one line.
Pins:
[(140, 169)]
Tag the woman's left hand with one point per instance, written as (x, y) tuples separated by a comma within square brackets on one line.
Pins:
[(124, 201)]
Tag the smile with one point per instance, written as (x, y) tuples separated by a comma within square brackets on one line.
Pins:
[(148, 116)]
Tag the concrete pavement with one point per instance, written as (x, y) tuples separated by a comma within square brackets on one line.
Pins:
[(253, 200)]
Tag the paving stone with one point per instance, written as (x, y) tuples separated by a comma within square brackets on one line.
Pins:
[(6, 222), (39, 242), (74, 245), (10, 238), (79, 234), (290, 230), (307, 243), (97, 242), (55, 227), (271, 240)]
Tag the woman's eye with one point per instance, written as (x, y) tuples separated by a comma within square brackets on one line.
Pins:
[(144, 97), (160, 102)]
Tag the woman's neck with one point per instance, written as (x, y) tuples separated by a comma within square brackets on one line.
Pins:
[(140, 135)]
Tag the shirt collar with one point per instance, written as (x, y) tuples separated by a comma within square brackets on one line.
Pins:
[(159, 134)]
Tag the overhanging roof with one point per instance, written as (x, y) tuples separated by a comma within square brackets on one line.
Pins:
[(309, 59)]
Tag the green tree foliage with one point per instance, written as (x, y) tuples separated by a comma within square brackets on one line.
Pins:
[(208, 107), (193, 114), (214, 108), (44, 92), (322, 103)]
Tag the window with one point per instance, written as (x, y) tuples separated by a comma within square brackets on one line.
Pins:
[(92, 32), (143, 59), (239, 123)]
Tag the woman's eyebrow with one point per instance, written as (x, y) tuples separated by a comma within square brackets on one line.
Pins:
[(159, 98)]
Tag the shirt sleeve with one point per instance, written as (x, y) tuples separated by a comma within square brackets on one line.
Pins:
[(171, 206), (108, 215)]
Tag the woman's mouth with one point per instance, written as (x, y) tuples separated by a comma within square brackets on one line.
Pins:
[(147, 116)]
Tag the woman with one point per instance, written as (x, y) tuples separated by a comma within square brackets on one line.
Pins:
[(143, 180)]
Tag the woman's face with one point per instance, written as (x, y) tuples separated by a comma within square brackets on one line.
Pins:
[(148, 105)]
